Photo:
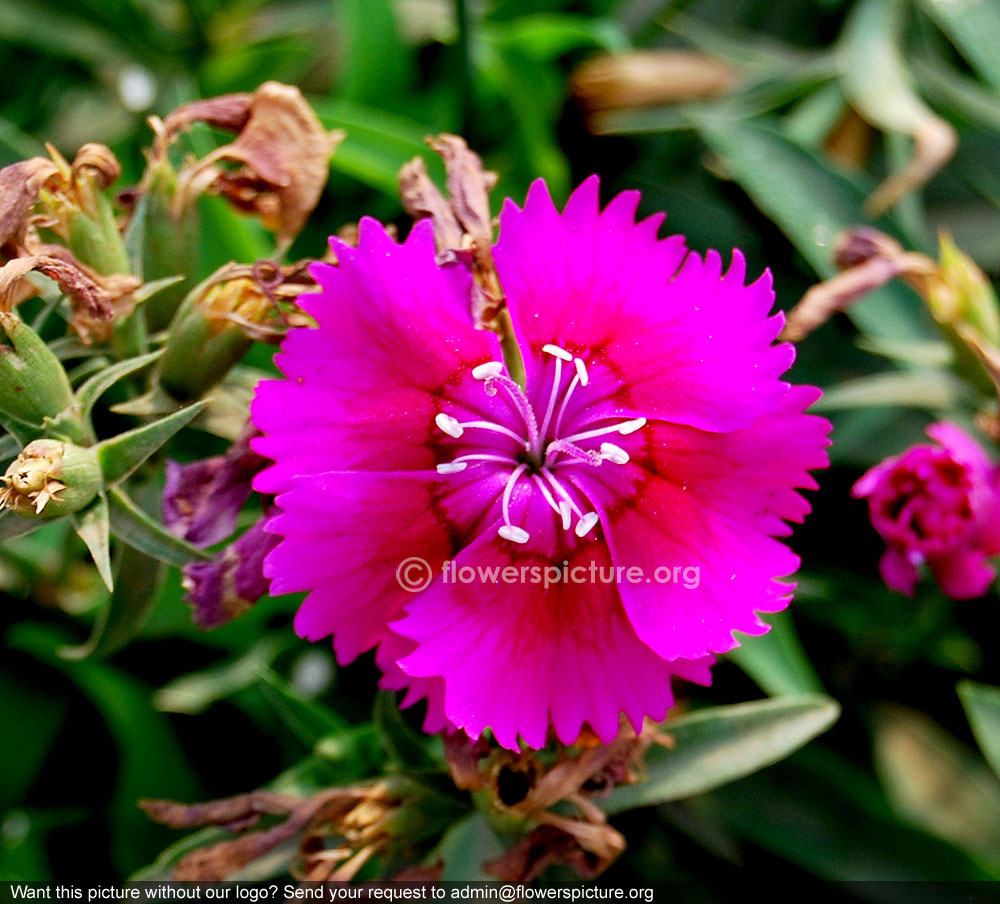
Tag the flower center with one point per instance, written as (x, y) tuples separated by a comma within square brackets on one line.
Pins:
[(543, 447)]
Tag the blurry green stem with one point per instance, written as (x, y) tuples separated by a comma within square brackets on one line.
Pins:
[(465, 65)]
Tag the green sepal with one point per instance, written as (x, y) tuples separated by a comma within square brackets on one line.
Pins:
[(93, 526), (88, 394), (133, 526), (33, 384), (122, 454)]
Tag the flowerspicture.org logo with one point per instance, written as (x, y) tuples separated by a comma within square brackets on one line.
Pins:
[(415, 574)]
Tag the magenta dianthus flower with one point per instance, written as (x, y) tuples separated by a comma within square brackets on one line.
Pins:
[(654, 433), (936, 505)]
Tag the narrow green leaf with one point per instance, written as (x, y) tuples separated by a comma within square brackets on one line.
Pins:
[(142, 736), (22, 431), (195, 692), (776, 660), (402, 744), (133, 526), (811, 202), (376, 66), (546, 36), (465, 847), (982, 707), (93, 526), (714, 746), (929, 389), (104, 379), (822, 813), (9, 447), (122, 454), (137, 584), (974, 28), (12, 525), (308, 720), (878, 84), (936, 783), (377, 143)]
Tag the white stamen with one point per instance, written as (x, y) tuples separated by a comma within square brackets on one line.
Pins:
[(567, 515), (586, 524), (561, 491), (486, 425), (509, 488), (556, 381), (565, 402), (631, 426), (581, 371), (614, 453), (451, 467), (513, 533), (448, 424), (555, 506), (489, 369), (557, 352)]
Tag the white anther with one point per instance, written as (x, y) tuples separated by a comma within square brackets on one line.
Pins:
[(487, 370), (581, 371), (513, 533), (557, 352), (614, 453), (448, 424), (631, 426), (451, 467), (586, 524), (567, 515)]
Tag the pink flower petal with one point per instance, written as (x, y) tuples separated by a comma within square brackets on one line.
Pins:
[(394, 347), (688, 343), (516, 655), (963, 575)]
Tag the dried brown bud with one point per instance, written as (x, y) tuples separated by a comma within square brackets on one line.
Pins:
[(98, 160), (19, 187), (650, 78), (281, 148)]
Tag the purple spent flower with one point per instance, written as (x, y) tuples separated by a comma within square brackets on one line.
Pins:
[(202, 500), (654, 432), (936, 504), (232, 582)]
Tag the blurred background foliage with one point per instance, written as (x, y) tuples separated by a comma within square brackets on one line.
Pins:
[(804, 109)]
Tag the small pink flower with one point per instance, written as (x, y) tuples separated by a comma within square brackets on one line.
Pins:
[(654, 431), (936, 505)]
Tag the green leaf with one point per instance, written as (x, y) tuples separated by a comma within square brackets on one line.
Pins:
[(133, 526), (137, 584), (982, 707), (195, 692), (122, 454), (929, 389), (143, 736), (376, 66), (974, 28), (936, 783), (93, 526), (811, 202), (98, 384), (776, 660), (377, 143), (402, 744), (717, 745), (823, 814), (465, 847), (878, 84), (308, 720), (12, 525), (546, 36)]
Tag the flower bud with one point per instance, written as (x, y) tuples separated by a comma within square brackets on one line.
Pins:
[(205, 339), (49, 479), (962, 295), (33, 384)]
